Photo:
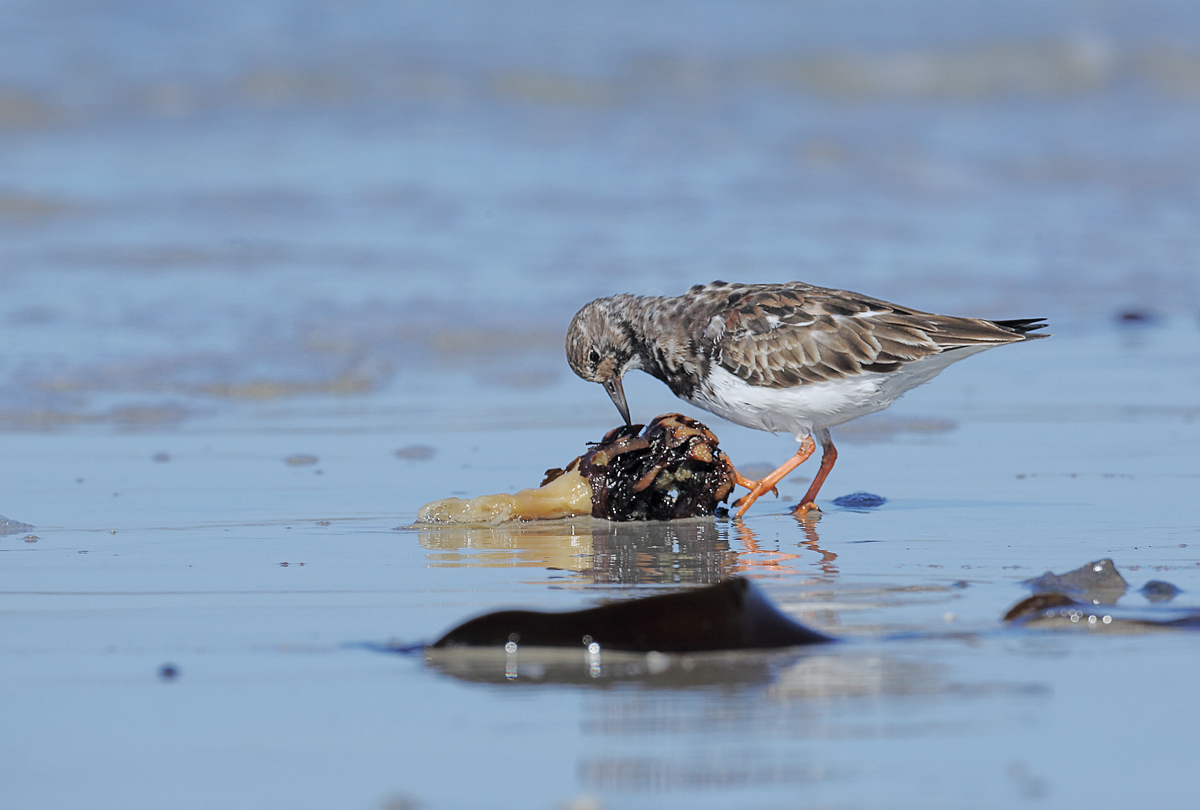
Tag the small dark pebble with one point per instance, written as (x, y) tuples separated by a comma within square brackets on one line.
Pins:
[(1136, 316), (168, 672), (1158, 591), (860, 500), (161, 458)]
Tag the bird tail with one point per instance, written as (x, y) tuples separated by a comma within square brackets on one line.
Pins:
[(1022, 326)]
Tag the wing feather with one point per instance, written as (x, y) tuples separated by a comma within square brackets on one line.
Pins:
[(779, 336)]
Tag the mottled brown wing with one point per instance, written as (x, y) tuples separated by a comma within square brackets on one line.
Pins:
[(781, 336)]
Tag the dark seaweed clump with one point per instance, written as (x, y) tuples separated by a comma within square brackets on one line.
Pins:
[(673, 469)]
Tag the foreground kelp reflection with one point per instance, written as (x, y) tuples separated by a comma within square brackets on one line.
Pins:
[(794, 673), (654, 735), (759, 687), (579, 667)]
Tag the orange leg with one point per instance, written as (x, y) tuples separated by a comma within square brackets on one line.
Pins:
[(809, 500), (760, 488)]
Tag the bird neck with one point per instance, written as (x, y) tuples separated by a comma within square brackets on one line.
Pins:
[(663, 351)]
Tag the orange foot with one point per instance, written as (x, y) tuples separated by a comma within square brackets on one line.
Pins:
[(803, 509)]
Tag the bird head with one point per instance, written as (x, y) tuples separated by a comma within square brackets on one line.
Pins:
[(600, 349)]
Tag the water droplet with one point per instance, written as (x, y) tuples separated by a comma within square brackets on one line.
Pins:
[(657, 662), (510, 647)]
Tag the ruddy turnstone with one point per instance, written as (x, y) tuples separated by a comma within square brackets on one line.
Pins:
[(779, 357)]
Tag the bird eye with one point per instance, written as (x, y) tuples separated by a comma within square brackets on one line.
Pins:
[(594, 357)]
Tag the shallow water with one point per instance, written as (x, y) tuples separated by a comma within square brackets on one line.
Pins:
[(292, 230)]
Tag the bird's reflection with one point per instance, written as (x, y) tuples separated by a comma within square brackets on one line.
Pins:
[(691, 551), (753, 560), (812, 542), (698, 551)]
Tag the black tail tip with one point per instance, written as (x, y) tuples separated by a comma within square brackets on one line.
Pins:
[(1023, 326)]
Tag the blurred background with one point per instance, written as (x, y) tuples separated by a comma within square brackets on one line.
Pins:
[(351, 214)]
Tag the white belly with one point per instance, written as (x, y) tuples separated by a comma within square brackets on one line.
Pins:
[(805, 408)]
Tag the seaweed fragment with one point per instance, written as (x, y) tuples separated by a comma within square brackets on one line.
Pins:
[(1097, 581), (1158, 591), (13, 526), (731, 615), (1057, 611)]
